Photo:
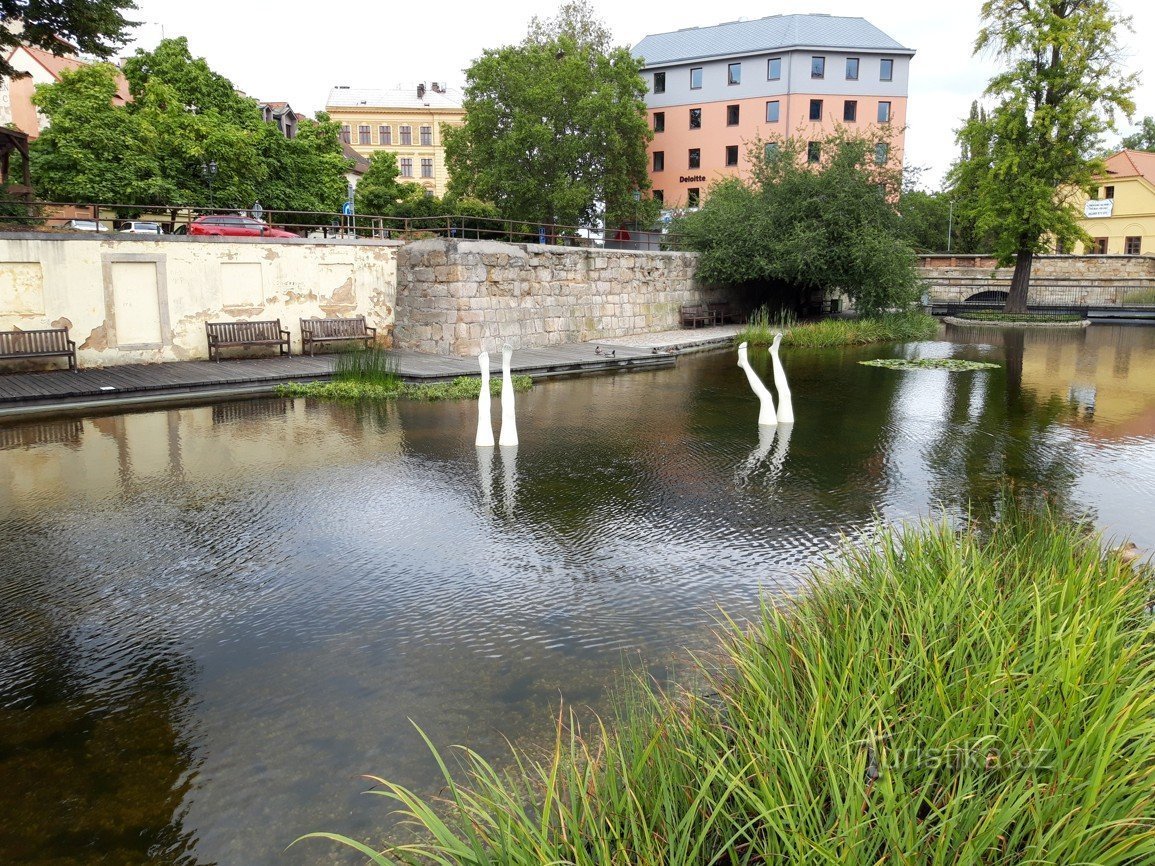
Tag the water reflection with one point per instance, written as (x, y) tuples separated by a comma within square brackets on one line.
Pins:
[(212, 619)]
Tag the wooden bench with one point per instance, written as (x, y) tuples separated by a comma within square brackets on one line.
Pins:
[(315, 331), (695, 315), (228, 334), (43, 343)]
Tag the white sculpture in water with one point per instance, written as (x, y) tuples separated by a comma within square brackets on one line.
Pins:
[(509, 465), (484, 419), (508, 421), (766, 416), (785, 404)]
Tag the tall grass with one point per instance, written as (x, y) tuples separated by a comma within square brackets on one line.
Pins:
[(353, 389), (1141, 297), (825, 333), (944, 697), (372, 366)]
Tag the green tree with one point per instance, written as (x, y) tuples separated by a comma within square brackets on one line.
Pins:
[(378, 190), (1026, 163), (1144, 138), (96, 27), (554, 126), (795, 229), (926, 220)]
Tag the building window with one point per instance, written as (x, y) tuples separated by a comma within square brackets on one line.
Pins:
[(815, 109), (693, 196), (770, 150), (696, 78), (659, 196), (659, 82), (817, 67), (774, 69), (850, 110), (851, 68), (813, 151), (1132, 246), (659, 121), (881, 153), (695, 160), (732, 115), (364, 134), (1099, 247), (427, 166), (407, 135), (427, 136), (734, 73), (772, 111), (695, 118), (731, 155), (659, 160), (884, 112), (1109, 192), (886, 69), (406, 165), (385, 134), (346, 134)]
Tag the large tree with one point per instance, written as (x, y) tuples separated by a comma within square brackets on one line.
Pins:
[(1032, 156), (1143, 138), (96, 27), (555, 127)]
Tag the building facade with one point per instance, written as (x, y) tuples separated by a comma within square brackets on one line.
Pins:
[(406, 121), (714, 91), (1120, 216)]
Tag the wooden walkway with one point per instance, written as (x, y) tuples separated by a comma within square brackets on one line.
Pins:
[(121, 384)]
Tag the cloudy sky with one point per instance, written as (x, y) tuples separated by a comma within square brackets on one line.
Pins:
[(298, 55)]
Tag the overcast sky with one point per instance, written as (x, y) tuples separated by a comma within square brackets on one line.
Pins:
[(297, 51)]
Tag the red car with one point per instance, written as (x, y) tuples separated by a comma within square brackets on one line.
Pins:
[(235, 226)]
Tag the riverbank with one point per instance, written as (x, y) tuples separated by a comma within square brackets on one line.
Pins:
[(827, 333)]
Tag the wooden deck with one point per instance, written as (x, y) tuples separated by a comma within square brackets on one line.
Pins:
[(125, 383)]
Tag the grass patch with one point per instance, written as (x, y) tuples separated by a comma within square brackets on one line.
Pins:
[(1026, 318), (1141, 297), (887, 328), (945, 696), (954, 365), (372, 366), (461, 388)]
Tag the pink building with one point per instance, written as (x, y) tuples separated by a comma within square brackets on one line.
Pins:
[(714, 90)]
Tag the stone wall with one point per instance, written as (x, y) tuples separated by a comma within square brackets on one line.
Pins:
[(129, 299), (1055, 280), (457, 297)]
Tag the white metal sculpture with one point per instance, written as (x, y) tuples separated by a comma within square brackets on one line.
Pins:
[(485, 472), (785, 404), (484, 418), (509, 465), (766, 415), (508, 421)]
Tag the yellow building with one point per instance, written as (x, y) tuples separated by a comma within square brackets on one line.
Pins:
[(405, 121), (1120, 216)]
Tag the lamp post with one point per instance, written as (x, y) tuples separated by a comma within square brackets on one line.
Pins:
[(209, 173), (949, 224)]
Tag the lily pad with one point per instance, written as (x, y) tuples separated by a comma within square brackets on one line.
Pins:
[(954, 365)]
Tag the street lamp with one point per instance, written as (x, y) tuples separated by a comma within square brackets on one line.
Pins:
[(209, 173)]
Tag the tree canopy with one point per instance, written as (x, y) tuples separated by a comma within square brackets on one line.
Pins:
[(154, 150), (1143, 138), (555, 127), (796, 228), (96, 27), (1025, 163)]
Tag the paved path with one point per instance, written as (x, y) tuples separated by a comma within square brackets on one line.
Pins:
[(24, 394)]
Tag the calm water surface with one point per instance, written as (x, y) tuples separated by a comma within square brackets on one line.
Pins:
[(213, 619)]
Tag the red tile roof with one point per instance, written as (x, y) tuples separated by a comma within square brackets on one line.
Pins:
[(57, 64), (1132, 163)]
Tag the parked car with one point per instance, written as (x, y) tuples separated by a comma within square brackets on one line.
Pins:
[(235, 226), (85, 226), (138, 227)]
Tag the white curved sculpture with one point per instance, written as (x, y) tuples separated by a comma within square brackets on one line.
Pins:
[(785, 404), (485, 472), (509, 465), (508, 422), (766, 416), (484, 415)]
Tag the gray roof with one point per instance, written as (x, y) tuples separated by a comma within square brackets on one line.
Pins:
[(395, 97), (765, 34)]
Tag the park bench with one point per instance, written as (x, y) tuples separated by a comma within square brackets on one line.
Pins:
[(43, 343), (722, 312), (696, 314), (315, 331), (229, 334)]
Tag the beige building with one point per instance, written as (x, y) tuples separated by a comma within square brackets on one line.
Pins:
[(1120, 216), (406, 121)]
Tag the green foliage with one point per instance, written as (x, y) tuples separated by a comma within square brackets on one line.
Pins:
[(951, 365), (1144, 138), (96, 27), (553, 126), (182, 117), (885, 328), (372, 366), (354, 390), (797, 229), (1141, 297), (925, 220), (943, 696), (378, 190), (1025, 318)]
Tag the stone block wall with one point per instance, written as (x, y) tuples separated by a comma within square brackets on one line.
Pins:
[(457, 297), (1055, 279)]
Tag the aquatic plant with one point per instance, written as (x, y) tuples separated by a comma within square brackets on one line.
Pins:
[(825, 333), (375, 366), (1025, 318), (461, 388), (954, 365)]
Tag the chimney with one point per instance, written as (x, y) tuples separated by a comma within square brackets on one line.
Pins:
[(420, 91), (438, 87)]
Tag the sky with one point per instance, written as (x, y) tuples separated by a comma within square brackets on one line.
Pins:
[(299, 52)]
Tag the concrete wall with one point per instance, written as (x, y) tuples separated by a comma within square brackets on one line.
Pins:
[(453, 297), (1075, 280), (127, 299)]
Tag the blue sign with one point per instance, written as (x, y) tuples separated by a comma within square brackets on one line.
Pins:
[(347, 208), (541, 234)]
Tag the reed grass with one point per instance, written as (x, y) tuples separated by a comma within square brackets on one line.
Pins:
[(372, 366), (354, 390), (946, 696), (1142, 297), (826, 333), (1025, 318)]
